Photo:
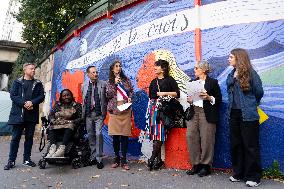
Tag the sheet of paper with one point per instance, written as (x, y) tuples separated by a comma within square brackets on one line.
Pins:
[(123, 106), (194, 88)]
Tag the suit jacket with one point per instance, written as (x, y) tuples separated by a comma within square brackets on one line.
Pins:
[(213, 89), (18, 101), (101, 85)]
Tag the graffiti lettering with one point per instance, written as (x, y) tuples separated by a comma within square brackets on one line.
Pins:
[(173, 22), (132, 37), (186, 23), (149, 31), (160, 28), (117, 43)]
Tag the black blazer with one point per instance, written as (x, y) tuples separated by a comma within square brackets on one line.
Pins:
[(213, 89)]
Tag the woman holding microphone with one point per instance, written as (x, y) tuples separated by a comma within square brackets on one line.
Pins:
[(118, 92)]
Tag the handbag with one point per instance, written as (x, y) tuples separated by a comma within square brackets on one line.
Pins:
[(170, 111), (189, 113)]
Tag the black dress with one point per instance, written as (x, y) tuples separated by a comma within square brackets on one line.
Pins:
[(156, 130)]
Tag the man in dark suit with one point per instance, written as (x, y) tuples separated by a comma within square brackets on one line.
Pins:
[(26, 94), (94, 113)]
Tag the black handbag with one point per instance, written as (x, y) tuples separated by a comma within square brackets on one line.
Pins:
[(189, 113), (170, 111)]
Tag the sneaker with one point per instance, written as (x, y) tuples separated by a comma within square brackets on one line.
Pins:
[(52, 150), (29, 163), (60, 151), (233, 179), (10, 165), (252, 183)]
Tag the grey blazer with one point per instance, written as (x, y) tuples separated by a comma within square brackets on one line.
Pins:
[(102, 94)]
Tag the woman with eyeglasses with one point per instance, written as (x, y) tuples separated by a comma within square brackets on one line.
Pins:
[(202, 127), (245, 91), (118, 92)]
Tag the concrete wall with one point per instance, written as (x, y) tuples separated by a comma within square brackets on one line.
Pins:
[(44, 73)]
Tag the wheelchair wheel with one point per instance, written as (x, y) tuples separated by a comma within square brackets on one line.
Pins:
[(42, 164), (76, 163)]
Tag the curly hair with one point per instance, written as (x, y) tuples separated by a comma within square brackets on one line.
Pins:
[(243, 66)]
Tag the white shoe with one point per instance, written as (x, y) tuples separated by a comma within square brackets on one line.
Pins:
[(232, 179), (52, 150), (60, 151), (252, 184)]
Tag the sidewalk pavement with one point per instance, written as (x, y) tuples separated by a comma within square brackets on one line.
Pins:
[(138, 177)]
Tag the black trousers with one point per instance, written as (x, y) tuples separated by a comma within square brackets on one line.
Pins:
[(117, 140), (17, 131), (54, 134), (245, 149)]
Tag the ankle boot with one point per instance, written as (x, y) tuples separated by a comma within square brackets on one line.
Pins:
[(52, 150), (150, 164), (205, 170), (60, 151), (158, 164), (194, 170)]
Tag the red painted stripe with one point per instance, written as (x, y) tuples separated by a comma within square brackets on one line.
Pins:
[(197, 37), (197, 2), (197, 43)]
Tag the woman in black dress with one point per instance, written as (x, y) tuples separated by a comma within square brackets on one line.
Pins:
[(162, 85)]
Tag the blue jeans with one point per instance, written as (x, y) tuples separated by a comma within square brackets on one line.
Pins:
[(17, 131)]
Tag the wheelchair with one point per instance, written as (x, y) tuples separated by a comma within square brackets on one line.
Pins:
[(77, 152)]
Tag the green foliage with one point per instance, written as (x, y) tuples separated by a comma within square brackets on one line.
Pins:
[(25, 55), (273, 172), (45, 21)]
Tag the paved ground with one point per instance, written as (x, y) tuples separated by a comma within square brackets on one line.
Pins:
[(90, 177)]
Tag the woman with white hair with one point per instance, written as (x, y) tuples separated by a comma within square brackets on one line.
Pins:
[(202, 127)]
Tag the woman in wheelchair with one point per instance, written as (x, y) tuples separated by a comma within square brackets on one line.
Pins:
[(64, 117)]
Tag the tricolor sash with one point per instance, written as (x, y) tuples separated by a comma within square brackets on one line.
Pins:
[(122, 90)]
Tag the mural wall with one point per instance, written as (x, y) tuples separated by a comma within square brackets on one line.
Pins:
[(161, 30)]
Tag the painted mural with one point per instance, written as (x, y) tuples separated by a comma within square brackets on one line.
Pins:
[(161, 30)]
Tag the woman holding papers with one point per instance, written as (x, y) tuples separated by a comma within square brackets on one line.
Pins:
[(119, 92), (244, 94), (202, 127), (162, 85)]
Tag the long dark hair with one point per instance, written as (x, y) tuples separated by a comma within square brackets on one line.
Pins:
[(111, 74), (244, 67), (164, 65), (60, 97)]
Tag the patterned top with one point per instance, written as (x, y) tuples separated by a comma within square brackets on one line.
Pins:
[(111, 95), (65, 116)]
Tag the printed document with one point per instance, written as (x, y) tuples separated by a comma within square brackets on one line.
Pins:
[(194, 88), (123, 106)]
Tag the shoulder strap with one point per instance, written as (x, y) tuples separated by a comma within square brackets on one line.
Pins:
[(158, 85)]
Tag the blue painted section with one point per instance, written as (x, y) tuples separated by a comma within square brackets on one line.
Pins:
[(264, 41)]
